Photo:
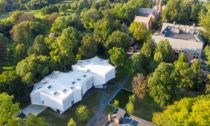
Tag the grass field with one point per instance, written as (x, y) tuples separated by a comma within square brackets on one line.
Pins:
[(91, 100), (123, 98), (146, 107)]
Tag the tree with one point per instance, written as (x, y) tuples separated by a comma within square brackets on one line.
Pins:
[(62, 52), (118, 39), (73, 35), (89, 47), (20, 52), (162, 84), (184, 73), (11, 84), (181, 11), (49, 10), (204, 21), (26, 31), (82, 113), (206, 53), (186, 112), (39, 47), (116, 103), (198, 80), (148, 48), (130, 107), (72, 122), (37, 68), (137, 64), (7, 108), (139, 85), (139, 32), (102, 29), (90, 17), (117, 56), (164, 52), (32, 120), (64, 22)]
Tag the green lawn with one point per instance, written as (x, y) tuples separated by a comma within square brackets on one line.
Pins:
[(91, 100), (146, 107), (109, 109), (123, 98)]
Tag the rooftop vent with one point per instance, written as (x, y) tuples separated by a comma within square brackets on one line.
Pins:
[(72, 88), (88, 70), (78, 79), (88, 60), (84, 75), (73, 82), (49, 87), (55, 93), (64, 90)]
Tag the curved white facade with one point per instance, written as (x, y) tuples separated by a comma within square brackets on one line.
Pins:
[(60, 91)]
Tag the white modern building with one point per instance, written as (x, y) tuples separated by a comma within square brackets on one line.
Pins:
[(99, 68), (59, 91)]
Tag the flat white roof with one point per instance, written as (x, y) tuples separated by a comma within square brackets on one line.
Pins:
[(94, 65), (60, 85)]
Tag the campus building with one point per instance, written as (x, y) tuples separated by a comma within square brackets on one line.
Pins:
[(59, 90), (148, 15), (182, 38)]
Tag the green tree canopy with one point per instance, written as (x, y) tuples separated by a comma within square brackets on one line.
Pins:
[(89, 47), (117, 56), (164, 52), (26, 31), (186, 112), (82, 113), (90, 17), (7, 108), (181, 11), (72, 122), (118, 39), (162, 84), (37, 68), (139, 32), (184, 73), (39, 46)]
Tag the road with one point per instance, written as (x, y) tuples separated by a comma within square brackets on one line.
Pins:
[(103, 103)]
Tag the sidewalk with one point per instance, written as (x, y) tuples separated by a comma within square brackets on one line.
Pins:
[(34, 109)]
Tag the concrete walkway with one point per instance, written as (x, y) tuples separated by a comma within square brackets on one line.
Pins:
[(34, 109), (103, 104)]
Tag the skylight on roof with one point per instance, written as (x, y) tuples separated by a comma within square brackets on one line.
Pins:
[(64, 90), (73, 82), (50, 86), (56, 93), (84, 75), (78, 79)]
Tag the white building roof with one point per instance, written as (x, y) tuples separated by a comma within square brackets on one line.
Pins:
[(60, 85), (94, 65)]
